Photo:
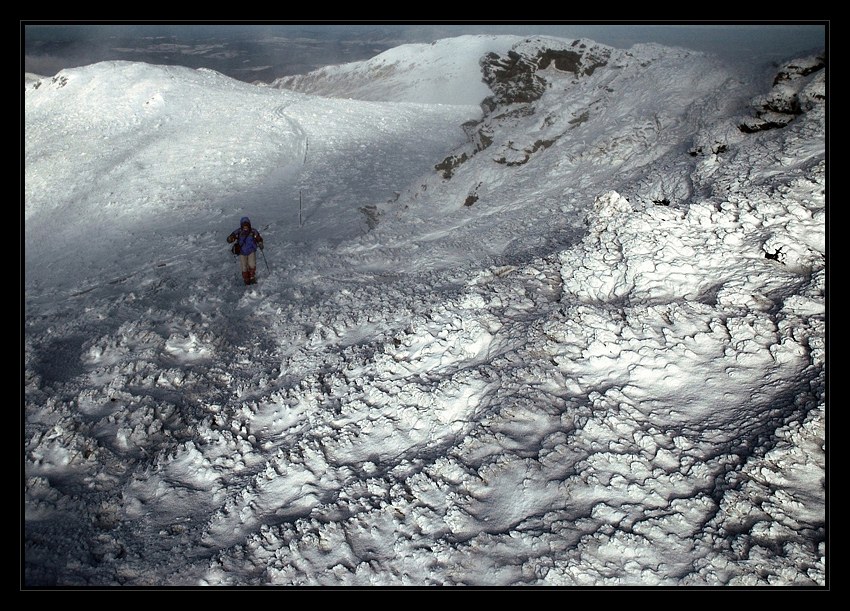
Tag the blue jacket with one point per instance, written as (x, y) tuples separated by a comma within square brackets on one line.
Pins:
[(249, 239)]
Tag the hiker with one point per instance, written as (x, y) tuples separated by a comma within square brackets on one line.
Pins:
[(247, 241)]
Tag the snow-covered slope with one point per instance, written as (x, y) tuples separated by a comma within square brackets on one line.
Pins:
[(128, 158), (443, 72), (583, 342)]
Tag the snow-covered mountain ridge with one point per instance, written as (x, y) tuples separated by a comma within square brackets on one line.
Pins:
[(443, 72), (596, 120), (596, 361)]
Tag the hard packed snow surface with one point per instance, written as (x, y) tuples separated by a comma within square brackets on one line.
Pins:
[(571, 336)]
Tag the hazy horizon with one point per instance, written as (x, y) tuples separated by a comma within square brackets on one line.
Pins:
[(267, 51)]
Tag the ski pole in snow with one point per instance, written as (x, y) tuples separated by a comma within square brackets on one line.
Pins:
[(238, 266), (264, 260)]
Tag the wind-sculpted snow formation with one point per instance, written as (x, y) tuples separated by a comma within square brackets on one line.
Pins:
[(594, 361)]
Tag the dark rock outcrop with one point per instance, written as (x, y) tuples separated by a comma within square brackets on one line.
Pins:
[(514, 78), (797, 88)]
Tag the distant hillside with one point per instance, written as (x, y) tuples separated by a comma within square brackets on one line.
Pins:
[(443, 72)]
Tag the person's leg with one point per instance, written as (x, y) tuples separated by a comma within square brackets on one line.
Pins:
[(252, 267), (244, 266)]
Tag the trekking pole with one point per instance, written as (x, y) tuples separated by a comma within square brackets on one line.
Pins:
[(238, 267), (264, 260)]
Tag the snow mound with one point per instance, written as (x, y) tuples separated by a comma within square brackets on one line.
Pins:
[(113, 114)]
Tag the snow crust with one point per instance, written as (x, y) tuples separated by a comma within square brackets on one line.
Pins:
[(587, 350)]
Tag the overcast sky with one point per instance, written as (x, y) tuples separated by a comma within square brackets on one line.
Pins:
[(295, 48)]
